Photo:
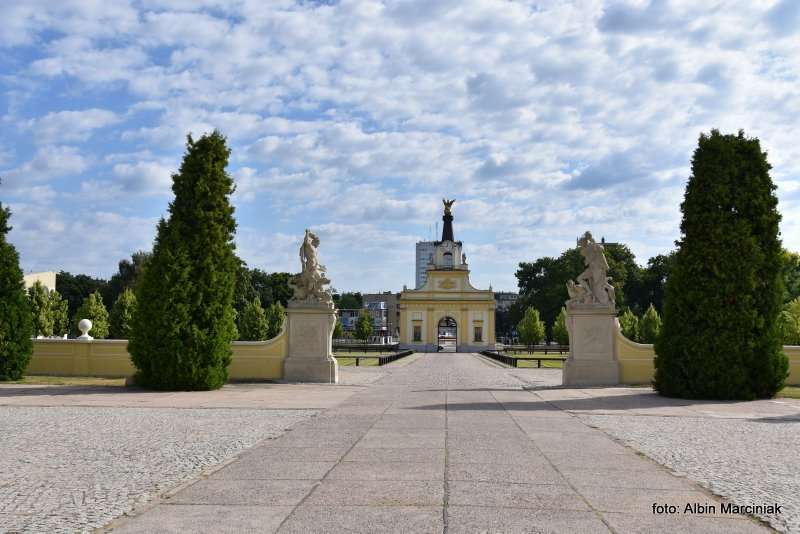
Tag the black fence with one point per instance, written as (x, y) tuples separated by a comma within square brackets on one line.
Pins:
[(513, 361), (366, 347), (382, 360), (533, 349)]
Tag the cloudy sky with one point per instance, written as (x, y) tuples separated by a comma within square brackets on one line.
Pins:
[(543, 119)]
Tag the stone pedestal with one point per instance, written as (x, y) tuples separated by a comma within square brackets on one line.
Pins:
[(310, 355), (592, 356)]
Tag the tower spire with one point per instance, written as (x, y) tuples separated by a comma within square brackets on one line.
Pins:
[(447, 229)]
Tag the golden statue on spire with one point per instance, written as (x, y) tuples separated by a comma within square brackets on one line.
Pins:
[(447, 205)]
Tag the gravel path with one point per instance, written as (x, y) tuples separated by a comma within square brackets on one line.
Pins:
[(74, 469), (749, 461)]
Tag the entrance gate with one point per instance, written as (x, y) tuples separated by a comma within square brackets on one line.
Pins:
[(447, 335)]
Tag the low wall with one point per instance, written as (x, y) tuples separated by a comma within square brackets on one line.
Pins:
[(637, 362), (252, 360)]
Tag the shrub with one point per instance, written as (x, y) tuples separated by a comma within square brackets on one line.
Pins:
[(122, 315), (629, 324), (16, 323), (790, 323), (363, 326), (530, 328), (649, 326), (560, 333), (94, 310), (59, 307), (275, 317), (41, 311), (184, 321), (720, 337), (253, 325)]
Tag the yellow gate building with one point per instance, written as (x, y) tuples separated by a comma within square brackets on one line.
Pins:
[(447, 313)]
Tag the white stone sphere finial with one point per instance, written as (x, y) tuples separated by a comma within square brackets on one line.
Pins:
[(84, 326)]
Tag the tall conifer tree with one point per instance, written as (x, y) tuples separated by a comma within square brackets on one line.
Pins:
[(184, 321), (720, 337), (16, 324)]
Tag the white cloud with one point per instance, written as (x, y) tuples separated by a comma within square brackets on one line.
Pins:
[(543, 120), (147, 177), (70, 126), (48, 163)]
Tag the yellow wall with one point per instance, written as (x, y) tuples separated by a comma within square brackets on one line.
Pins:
[(793, 353), (635, 361), (252, 360), (637, 367)]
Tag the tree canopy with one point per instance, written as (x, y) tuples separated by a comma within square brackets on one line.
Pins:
[(720, 337), (184, 321), (531, 328), (16, 324)]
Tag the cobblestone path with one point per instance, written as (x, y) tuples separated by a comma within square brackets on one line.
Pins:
[(448, 443), (745, 460), (74, 469)]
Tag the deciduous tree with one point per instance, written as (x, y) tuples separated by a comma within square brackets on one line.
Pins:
[(122, 313), (363, 326), (649, 326), (41, 311), (629, 323), (560, 333), (531, 328), (253, 324), (275, 318), (94, 310)]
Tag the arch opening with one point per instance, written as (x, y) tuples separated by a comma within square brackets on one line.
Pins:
[(447, 335)]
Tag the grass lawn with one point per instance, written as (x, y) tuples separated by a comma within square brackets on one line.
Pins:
[(68, 381), (545, 364), (342, 357), (790, 392)]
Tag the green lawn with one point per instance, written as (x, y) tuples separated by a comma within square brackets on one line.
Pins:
[(790, 392), (342, 357), (68, 381), (545, 364)]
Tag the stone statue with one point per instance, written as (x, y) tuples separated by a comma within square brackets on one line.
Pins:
[(464, 258), (447, 205), (593, 287), (309, 285)]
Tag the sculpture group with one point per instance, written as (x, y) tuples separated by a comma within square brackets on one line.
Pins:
[(309, 285), (593, 287), (311, 317)]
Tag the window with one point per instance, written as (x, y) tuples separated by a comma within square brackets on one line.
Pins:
[(479, 334), (448, 259), (417, 333)]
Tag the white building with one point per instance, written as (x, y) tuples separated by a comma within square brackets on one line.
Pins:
[(505, 299), (425, 251), (47, 279)]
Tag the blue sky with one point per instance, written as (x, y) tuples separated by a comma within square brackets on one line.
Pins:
[(543, 119)]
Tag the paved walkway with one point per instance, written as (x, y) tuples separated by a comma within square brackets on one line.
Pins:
[(449, 443)]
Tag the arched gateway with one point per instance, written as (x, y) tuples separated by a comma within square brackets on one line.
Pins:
[(447, 307), (447, 334)]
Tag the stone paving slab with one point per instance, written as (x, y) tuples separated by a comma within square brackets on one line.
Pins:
[(245, 491), (208, 519), (364, 520), (452, 443), (499, 520)]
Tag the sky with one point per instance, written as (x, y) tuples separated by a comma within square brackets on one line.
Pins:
[(355, 118)]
